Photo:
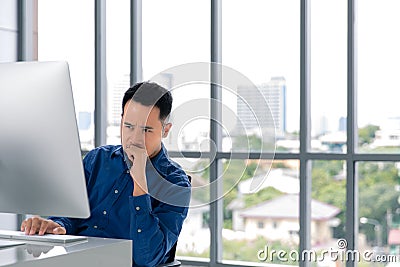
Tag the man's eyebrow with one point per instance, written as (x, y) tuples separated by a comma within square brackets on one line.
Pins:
[(127, 123)]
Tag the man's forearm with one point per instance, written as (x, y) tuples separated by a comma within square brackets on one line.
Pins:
[(138, 174), (137, 189)]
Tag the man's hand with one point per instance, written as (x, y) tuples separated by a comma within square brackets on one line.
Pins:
[(40, 225), (138, 155)]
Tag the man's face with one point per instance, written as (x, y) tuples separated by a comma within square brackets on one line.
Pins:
[(141, 126)]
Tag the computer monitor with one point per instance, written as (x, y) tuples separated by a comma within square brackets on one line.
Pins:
[(41, 168)]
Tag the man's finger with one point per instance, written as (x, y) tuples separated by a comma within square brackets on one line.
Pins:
[(28, 224), (36, 224), (43, 227), (59, 231), (23, 225), (35, 227)]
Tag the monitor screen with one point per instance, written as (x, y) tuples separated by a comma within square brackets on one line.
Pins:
[(41, 168)]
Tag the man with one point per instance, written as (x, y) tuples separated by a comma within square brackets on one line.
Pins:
[(135, 191)]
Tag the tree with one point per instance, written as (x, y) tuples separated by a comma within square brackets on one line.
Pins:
[(367, 134), (377, 193), (376, 188), (327, 189), (247, 143)]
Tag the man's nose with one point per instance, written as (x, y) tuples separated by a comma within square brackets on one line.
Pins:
[(138, 136)]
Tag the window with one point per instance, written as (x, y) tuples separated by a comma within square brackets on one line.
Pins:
[(377, 64), (379, 215), (262, 44), (72, 40), (328, 76), (261, 208), (118, 64), (194, 239), (337, 94)]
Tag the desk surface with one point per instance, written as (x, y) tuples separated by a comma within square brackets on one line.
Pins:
[(91, 252)]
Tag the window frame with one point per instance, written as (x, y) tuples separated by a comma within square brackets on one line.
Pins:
[(305, 155)]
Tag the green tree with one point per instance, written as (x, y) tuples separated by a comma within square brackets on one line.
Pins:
[(377, 194), (261, 196), (327, 189), (247, 143), (376, 186), (367, 134)]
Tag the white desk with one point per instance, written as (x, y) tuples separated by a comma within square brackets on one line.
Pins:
[(96, 252)]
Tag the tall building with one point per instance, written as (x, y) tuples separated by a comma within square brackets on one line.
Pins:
[(84, 120), (320, 125), (115, 100), (342, 124), (255, 106)]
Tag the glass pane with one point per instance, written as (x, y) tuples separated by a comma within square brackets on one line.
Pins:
[(379, 211), (9, 52), (118, 66), (8, 31), (181, 36), (257, 222), (262, 44), (328, 75), (9, 15), (251, 115), (328, 211), (194, 240), (190, 118), (378, 68), (63, 38)]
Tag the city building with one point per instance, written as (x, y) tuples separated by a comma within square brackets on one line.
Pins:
[(118, 88), (263, 107)]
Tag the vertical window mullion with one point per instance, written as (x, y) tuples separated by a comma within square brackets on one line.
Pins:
[(100, 105), (305, 115), (216, 207), (352, 183), (25, 30), (136, 74)]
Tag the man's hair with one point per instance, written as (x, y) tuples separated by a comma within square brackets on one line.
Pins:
[(150, 94)]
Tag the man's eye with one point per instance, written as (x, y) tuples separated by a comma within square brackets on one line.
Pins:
[(147, 130), (129, 126)]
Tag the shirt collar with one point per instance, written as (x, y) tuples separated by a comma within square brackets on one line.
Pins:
[(117, 151)]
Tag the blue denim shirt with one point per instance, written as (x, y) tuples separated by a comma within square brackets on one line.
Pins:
[(152, 221)]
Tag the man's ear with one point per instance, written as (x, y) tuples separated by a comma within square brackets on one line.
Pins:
[(166, 129)]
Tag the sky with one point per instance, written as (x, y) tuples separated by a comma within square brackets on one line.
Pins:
[(261, 40)]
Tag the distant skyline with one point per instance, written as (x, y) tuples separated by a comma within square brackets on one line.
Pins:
[(263, 42)]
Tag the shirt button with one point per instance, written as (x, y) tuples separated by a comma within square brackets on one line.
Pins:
[(137, 208), (104, 212), (95, 227), (127, 171), (116, 191), (139, 230)]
